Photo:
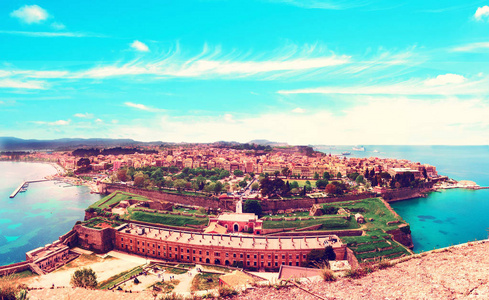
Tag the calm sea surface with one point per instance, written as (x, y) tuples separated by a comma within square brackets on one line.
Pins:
[(448, 217), (41, 214)]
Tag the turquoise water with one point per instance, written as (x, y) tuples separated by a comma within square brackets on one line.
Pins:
[(41, 214), (447, 217)]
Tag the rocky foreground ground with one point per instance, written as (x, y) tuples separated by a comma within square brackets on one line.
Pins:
[(456, 273)]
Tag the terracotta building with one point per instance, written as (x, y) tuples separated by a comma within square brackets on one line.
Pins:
[(249, 251)]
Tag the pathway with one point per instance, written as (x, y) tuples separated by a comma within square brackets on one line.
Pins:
[(183, 288)]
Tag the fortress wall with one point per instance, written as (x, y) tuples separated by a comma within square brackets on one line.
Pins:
[(203, 201), (405, 193), (228, 204), (14, 268), (98, 240), (275, 205)]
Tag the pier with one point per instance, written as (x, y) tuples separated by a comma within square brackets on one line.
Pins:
[(17, 190)]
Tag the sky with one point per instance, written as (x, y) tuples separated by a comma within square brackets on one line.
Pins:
[(326, 72)]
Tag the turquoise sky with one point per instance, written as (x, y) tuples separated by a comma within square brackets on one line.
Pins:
[(296, 71)]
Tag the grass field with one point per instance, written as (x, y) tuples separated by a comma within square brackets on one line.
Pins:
[(371, 208), (205, 281), (116, 199), (332, 223), (167, 219), (119, 278)]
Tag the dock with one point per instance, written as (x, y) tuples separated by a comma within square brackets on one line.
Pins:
[(17, 190)]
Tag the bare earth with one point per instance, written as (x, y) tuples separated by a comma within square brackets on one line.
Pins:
[(457, 273)]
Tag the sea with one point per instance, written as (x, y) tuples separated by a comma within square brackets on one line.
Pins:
[(39, 215), (446, 217), (49, 209)]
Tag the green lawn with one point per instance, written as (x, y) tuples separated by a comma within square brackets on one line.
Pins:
[(116, 199), (371, 208), (167, 219), (119, 278), (205, 281), (326, 222)]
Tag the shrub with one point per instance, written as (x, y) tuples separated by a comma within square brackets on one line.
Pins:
[(85, 278), (384, 264), (9, 290), (226, 292), (356, 273), (327, 274)]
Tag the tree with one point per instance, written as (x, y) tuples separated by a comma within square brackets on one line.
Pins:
[(294, 185), (180, 184), (139, 181), (329, 253), (338, 175), (330, 188), (316, 176), (276, 173), (238, 173), (321, 183), (224, 174), (122, 174), (255, 186), (85, 278), (218, 187), (252, 206), (359, 179), (326, 176), (286, 172)]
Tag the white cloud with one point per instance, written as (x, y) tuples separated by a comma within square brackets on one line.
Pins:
[(30, 14), (139, 46), (84, 116), (481, 12), (99, 121), (143, 107), (17, 84), (210, 68), (229, 118), (298, 110), (445, 79), (58, 26), (396, 121), (55, 123), (48, 34), (473, 47), (448, 84)]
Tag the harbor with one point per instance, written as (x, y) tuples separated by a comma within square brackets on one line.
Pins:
[(24, 185)]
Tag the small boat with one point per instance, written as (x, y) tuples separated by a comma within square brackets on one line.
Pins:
[(358, 148), (345, 153)]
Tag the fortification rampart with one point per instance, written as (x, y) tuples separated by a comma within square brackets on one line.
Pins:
[(97, 240), (406, 193)]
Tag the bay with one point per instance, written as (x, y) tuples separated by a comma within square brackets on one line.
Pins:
[(40, 215), (447, 217)]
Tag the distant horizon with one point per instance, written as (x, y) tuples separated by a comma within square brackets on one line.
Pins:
[(345, 71), (265, 141)]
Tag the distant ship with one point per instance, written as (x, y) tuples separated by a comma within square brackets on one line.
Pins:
[(358, 148), (345, 153)]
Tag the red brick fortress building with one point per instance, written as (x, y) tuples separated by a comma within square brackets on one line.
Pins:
[(248, 251)]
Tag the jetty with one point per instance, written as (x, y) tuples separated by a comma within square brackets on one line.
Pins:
[(23, 185)]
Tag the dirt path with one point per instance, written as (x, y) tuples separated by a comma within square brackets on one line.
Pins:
[(185, 284)]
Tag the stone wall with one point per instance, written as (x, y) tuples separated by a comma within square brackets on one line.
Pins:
[(406, 193), (14, 268), (275, 205), (98, 240), (402, 235), (203, 201), (227, 204)]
